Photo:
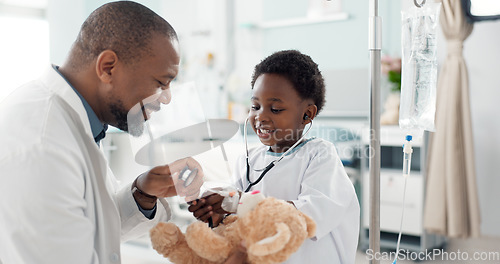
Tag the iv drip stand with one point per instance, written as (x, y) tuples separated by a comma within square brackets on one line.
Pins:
[(375, 47)]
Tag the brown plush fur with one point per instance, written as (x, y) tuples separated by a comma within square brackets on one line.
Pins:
[(203, 245)]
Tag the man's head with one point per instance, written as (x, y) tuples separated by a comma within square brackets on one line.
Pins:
[(125, 27), (124, 55)]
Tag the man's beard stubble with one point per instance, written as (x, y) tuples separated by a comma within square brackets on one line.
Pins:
[(128, 122)]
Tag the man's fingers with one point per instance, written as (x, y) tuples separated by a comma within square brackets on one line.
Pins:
[(196, 182), (192, 197), (161, 170), (169, 181), (190, 178), (182, 177), (191, 163)]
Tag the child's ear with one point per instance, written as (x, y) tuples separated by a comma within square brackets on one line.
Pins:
[(310, 113)]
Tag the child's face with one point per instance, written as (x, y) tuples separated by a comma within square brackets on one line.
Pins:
[(277, 112)]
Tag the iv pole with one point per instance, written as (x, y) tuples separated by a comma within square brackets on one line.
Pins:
[(375, 46)]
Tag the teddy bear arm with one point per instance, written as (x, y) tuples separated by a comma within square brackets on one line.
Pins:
[(206, 243), (272, 244), (168, 240), (310, 225)]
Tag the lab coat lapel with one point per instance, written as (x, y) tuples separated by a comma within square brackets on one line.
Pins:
[(105, 215), (57, 84)]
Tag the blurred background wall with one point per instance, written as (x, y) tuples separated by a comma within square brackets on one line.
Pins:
[(222, 40)]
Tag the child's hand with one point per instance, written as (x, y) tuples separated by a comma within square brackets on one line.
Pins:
[(206, 207)]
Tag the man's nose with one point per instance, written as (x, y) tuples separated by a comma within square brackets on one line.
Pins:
[(165, 96)]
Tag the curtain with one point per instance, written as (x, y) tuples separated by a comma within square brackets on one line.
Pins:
[(451, 203)]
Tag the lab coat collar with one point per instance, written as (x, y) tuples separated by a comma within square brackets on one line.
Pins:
[(98, 128), (54, 82), (269, 152)]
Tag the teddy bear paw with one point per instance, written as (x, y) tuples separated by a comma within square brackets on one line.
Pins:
[(164, 237)]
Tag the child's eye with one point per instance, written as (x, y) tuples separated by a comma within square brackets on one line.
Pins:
[(255, 107), (275, 111)]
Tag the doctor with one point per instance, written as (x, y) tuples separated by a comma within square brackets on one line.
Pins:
[(58, 199)]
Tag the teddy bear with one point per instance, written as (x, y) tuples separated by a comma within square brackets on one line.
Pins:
[(272, 230)]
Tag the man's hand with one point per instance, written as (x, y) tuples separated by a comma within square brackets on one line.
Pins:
[(165, 181)]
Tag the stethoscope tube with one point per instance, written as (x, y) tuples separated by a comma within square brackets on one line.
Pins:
[(273, 163), (251, 184)]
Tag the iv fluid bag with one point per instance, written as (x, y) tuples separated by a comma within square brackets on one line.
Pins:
[(419, 67)]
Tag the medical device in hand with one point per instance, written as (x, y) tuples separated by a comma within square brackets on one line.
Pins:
[(273, 163), (418, 80), (188, 175)]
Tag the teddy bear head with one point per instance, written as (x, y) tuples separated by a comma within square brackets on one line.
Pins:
[(273, 229)]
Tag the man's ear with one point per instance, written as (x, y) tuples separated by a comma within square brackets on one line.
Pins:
[(105, 64), (310, 111)]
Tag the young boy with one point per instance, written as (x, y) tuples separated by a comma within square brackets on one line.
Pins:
[(288, 93)]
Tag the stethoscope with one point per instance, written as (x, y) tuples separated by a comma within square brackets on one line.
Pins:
[(274, 162)]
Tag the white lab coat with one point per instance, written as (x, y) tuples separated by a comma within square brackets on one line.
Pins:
[(58, 197), (314, 179)]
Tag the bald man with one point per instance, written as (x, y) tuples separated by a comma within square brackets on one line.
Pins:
[(59, 202)]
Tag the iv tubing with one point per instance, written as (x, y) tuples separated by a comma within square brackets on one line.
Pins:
[(401, 224), (407, 151)]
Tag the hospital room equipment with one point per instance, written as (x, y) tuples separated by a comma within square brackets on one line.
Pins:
[(375, 49), (419, 77), (419, 68), (407, 151), (273, 163)]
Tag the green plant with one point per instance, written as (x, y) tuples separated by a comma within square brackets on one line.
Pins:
[(391, 67)]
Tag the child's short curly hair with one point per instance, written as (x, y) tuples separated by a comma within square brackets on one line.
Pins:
[(299, 69)]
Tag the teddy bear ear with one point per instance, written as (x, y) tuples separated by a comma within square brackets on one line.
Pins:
[(248, 202), (272, 244)]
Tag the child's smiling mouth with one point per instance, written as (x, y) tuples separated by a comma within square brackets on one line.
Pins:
[(264, 133)]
